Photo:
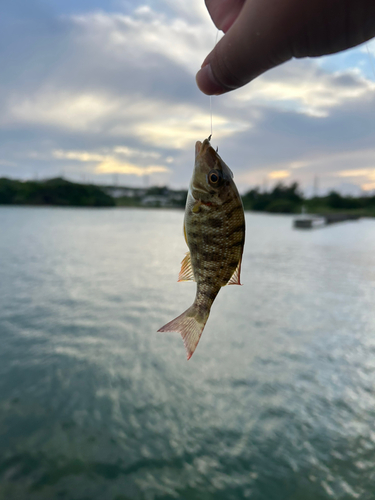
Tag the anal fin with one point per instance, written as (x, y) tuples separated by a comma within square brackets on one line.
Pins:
[(235, 279)]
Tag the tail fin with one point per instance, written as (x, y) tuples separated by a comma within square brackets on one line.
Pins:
[(190, 324)]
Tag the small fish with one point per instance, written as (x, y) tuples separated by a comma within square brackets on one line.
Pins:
[(214, 229)]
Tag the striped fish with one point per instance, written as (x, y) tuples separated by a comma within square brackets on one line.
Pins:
[(214, 228)]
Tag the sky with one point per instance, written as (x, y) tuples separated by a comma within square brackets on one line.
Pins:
[(104, 92)]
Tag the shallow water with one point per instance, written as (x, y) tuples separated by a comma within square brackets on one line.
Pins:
[(278, 401)]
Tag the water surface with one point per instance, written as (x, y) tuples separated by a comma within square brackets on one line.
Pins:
[(277, 403)]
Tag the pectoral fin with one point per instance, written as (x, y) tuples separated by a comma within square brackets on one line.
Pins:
[(186, 273), (235, 279), (197, 207)]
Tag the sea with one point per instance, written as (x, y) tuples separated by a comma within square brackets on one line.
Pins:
[(277, 402)]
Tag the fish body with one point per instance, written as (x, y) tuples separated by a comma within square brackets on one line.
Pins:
[(214, 228)]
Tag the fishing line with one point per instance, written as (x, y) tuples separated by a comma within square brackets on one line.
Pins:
[(217, 34), (370, 58), (211, 113), (371, 61)]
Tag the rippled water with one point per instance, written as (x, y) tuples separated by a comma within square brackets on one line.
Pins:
[(278, 401)]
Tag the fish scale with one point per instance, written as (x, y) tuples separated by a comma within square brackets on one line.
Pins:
[(214, 228)]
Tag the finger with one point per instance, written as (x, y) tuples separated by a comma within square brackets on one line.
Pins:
[(224, 12), (254, 43)]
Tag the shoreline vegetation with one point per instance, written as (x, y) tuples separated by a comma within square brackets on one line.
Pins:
[(280, 199)]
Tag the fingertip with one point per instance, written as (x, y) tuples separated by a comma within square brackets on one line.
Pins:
[(206, 81), (206, 61)]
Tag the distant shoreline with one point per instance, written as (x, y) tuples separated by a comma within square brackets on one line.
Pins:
[(59, 192)]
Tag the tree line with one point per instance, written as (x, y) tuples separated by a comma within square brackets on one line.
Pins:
[(290, 199), (282, 198)]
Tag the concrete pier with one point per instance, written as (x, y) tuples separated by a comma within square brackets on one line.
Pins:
[(320, 220)]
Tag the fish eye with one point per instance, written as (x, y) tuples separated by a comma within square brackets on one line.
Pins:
[(214, 177)]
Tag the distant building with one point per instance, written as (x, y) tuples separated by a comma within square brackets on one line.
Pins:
[(155, 200), (118, 192)]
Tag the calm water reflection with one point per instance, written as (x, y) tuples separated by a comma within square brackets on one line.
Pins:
[(278, 402)]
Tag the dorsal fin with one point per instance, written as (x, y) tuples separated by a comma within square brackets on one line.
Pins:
[(235, 279), (186, 273)]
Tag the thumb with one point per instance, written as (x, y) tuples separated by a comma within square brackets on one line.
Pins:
[(254, 43)]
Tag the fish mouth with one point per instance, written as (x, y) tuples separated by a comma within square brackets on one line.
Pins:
[(201, 147)]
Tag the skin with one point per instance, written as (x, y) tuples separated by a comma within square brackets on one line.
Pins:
[(261, 34)]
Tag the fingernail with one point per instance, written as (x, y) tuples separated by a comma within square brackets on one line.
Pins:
[(207, 82), (206, 61)]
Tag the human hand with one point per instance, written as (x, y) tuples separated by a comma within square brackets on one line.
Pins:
[(261, 34)]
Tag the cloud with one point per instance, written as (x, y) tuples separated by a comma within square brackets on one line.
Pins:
[(59, 109), (365, 177), (183, 125), (305, 88), (163, 124), (358, 173), (279, 174), (146, 33), (111, 166), (123, 150), (7, 163), (106, 163)]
